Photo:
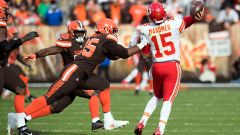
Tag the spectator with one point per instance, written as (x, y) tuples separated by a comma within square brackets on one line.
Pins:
[(22, 14), (207, 72), (54, 16), (115, 11), (96, 14), (80, 12), (137, 11), (174, 9), (104, 68), (237, 7), (228, 16), (125, 7), (105, 5), (211, 21), (43, 8), (214, 6)]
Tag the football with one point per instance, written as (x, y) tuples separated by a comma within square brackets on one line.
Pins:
[(196, 8)]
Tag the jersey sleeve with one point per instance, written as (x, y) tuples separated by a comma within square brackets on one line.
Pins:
[(113, 50), (179, 24), (63, 43)]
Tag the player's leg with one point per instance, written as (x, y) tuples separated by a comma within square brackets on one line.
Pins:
[(1, 79), (170, 90), (152, 103), (130, 77), (13, 83), (18, 70), (93, 96), (67, 83), (138, 78), (144, 81), (105, 100)]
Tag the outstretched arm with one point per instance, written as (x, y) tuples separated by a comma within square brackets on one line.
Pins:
[(45, 52), (7, 46)]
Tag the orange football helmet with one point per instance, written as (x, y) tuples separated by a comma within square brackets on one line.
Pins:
[(4, 11), (77, 30), (106, 26)]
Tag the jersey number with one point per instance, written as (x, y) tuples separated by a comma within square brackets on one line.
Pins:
[(164, 44), (89, 48)]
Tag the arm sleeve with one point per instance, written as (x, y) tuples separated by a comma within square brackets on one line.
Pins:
[(7, 46), (188, 21), (146, 49), (49, 51), (114, 50)]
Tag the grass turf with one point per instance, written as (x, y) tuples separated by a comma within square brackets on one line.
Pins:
[(195, 112)]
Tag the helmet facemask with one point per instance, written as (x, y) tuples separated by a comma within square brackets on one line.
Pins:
[(79, 35)]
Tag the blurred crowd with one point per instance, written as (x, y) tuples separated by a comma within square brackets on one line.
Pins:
[(219, 13)]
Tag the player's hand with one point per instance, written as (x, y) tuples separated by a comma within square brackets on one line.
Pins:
[(32, 56), (30, 36), (200, 15)]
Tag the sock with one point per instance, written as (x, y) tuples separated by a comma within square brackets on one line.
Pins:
[(151, 85), (21, 119), (151, 106), (164, 115), (94, 107), (144, 80), (36, 105), (138, 79), (108, 116), (19, 101), (25, 80), (95, 119), (105, 100), (131, 75), (42, 112)]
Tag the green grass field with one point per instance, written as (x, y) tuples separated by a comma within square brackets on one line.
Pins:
[(195, 112)]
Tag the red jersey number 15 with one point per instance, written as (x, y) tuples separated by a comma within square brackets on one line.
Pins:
[(89, 48), (164, 43)]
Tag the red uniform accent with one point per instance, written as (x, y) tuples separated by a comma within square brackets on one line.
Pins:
[(36, 105), (94, 106), (42, 112), (105, 100), (166, 80), (188, 21)]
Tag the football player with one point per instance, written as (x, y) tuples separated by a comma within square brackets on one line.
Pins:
[(69, 46), (13, 67), (97, 47), (17, 85), (163, 42)]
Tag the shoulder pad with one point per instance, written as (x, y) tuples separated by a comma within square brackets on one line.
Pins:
[(112, 37), (65, 36), (63, 43)]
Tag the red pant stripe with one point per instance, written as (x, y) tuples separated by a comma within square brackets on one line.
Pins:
[(67, 74), (175, 91)]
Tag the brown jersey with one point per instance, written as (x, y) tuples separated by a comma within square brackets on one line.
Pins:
[(96, 49), (70, 49)]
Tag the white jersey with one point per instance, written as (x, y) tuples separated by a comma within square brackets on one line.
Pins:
[(164, 39)]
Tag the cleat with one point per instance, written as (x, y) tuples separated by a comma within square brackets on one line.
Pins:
[(114, 124), (12, 120), (139, 129), (157, 132), (25, 131), (136, 92), (97, 126)]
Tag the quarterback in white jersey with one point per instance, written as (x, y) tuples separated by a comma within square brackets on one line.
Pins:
[(163, 38)]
